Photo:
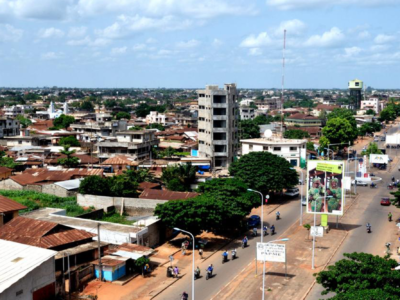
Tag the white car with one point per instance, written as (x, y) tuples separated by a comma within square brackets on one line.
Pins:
[(360, 183), (292, 192)]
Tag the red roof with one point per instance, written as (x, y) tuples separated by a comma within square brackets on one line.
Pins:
[(4, 170), (302, 117), (84, 159), (148, 185), (166, 195), (8, 205), (41, 234)]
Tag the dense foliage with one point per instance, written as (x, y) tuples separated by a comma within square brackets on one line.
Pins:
[(123, 115), (70, 141), (264, 172), (296, 134), (360, 275), (63, 122), (339, 130), (7, 162), (25, 122), (221, 208), (69, 161), (179, 177), (155, 126), (144, 109)]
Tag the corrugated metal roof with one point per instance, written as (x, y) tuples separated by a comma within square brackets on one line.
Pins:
[(166, 195), (41, 233), (17, 260), (7, 205), (70, 184), (148, 185), (120, 160), (132, 255)]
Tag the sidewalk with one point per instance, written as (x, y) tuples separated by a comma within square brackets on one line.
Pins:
[(300, 277), (148, 287)]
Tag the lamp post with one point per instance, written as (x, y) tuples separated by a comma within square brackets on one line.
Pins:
[(263, 288), (178, 229), (301, 197)]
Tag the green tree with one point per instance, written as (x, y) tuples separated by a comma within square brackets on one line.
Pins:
[(264, 172), (339, 130), (69, 161), (310, 146), (370, 112), (123, 186), (387, 114), (249, 129), (323, 143), (63, 121), (140, 175), (95, 185), (344, 113), (70, 141), (361, 274), (179, 177), (296, 134), (7, 162), (262, 120), (372, 149), (169, 152), (87, 105), (155, 126), (142, 110), (25, 122), (123, 115), (136, 128), (221, 208)]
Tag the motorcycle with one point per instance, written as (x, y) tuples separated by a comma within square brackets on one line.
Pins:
[(390, 218), (196, 274), (272, 231), (233, 254), (254, 233), (369, 229), (208, 275), (224, 258), (278, 217), (244, 244), (373, 186)]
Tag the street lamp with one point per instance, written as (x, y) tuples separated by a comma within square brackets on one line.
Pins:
[(178, 229), (263, 288)]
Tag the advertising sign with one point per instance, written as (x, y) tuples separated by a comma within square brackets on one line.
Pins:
[(378, 159), (325, 187), (317, 231), (271, 252)]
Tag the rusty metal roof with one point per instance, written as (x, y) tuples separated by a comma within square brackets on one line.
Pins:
[(36, 176), (42, 234), (120, 160), (4, 170), (166, 195), (7, 205), (148, 185)]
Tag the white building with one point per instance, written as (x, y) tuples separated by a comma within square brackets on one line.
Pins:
[(294, 151), (246, 102), (27, 272), (15, 110), (247, 113), (156, 118), (371, 103)]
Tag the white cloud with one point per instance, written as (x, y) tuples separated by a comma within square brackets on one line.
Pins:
[(312, 4), (50, 33), (364, 35), (293, 27), (127, 25), (51, 55), (139, 47), (118, 51), (77, 32), (383, 38), (217, 42), (255, 51), (9, 33), (253, 41), (41, 9), (330, 38), (188, 44), (379, 48), (151, 41), (87, 41), (352, 51)]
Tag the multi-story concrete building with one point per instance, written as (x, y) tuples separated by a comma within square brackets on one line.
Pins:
[(247, 113), (372, 103), (92, 130), (156, 118), (218, 124), (8, 127)]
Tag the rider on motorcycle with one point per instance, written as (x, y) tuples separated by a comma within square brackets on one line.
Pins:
[(225, 255), (278, 215), (272, 229), (210, 269), (368, 227), (265, 229)]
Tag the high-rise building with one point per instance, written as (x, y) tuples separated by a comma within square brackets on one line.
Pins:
[(355, 87), (218, 124)]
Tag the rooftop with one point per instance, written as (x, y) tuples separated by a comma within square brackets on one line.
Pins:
[(274, 141), (8, 205), (120, 160), (166, 195), (17, 260)]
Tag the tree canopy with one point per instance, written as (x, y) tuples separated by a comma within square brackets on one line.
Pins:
[(87, 105), (296, 134), (155, 126), (249, 129), (339, 130), (123, 115), (7, 162), (344, 113), (264, 172), (361, 274), (369, 128), (70, 141), (69, 161), (387, 114), (179, 177), (372, 149), (221, 208), (63, 121), (25, 122)]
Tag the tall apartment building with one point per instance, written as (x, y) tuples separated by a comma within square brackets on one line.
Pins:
[(218, 124)]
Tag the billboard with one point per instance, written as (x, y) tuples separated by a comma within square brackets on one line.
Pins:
[(271, 252), (325, 187), (378, 159)]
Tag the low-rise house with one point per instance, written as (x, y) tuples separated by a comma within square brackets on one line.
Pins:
[(323, 107), (5, 173), (136, 144), (9, 209), (91, 131), (247, 113), (27, 272), (120, 163), (156, 118), (303, 120)]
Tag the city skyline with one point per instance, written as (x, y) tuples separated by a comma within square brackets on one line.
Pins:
[(175, 44)]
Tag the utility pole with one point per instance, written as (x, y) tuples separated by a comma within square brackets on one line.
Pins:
[(99, 250)]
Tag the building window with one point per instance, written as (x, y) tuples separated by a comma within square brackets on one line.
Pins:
[(201, 142), (293, 148), (250, 147), (277, 148), (265, 148), (20, 292), (201, 130)]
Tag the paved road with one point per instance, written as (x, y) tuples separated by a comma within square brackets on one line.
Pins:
[(224, 273), (367, 209)]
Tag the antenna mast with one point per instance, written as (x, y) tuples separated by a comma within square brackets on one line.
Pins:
[(283, 78)]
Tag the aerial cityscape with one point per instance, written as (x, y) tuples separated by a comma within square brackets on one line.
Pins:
[(199, 149)]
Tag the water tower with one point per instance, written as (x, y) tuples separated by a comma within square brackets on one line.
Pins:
[(355, 87)]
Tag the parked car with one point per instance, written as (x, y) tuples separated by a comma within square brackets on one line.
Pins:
[(253, 221), (303, 201), (385, 201), (292, 192), (360, 183)]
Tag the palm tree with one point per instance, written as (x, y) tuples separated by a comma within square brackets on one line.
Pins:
[(179, 177), (70, 161)]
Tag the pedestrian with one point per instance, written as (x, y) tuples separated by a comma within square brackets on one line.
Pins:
[(201, 253), (176, 271)]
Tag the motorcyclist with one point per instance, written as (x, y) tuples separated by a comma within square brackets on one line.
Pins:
[(233, 253), (225, 255), (255, 231), (393, 179), (278, 215), (390, 216), (265, 229), (210, 269), (185, 296), (245, 240), (197, 272), (368, 227), (272, 229)]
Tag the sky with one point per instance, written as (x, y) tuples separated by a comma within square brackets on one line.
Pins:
[(192, 43)]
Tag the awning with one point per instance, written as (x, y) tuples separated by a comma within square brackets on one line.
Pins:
[(132, 255)]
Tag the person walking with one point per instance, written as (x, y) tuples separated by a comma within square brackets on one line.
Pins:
[(201, 253), (176, 271)]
